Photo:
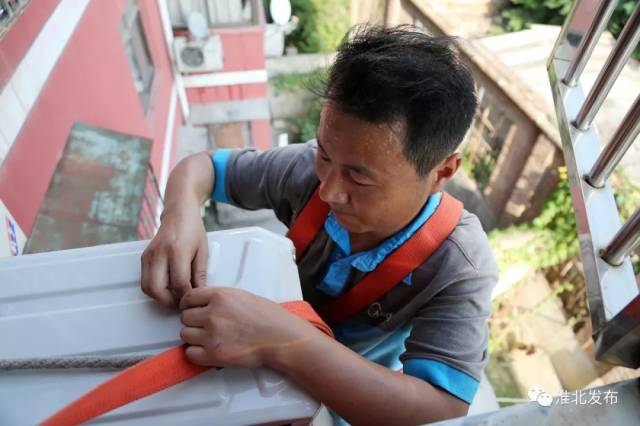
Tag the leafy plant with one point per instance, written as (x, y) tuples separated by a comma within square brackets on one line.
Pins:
[(310, 85), (478, 164), (518, 15), (553, 236), (322, 24), (307, 125), (312, 82)]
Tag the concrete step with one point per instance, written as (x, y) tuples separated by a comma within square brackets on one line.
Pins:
[(299, 63)]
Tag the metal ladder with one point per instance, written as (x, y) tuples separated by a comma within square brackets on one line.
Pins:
[(605, 243)]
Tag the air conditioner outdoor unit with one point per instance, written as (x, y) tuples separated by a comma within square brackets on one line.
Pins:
[(198, 55)]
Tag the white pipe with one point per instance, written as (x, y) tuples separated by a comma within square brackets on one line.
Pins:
[(168, 36), (226, 78)]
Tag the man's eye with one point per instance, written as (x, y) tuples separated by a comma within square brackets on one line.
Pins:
[(359, 182), (324, 158)]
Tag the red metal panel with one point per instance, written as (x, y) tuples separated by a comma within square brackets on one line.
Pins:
[(253, 47), (254, 91), (193, 96), (236, 94), (261, 132), (243, 48), (243, 51)]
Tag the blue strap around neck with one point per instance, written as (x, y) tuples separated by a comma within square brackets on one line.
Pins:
[(342, 261)]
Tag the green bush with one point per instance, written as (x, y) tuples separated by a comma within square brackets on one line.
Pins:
[(306, 126), (520, 14), (322, 24), (479, 165), (554, 237)]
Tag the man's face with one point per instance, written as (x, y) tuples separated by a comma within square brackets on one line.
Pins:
[(364, 177)]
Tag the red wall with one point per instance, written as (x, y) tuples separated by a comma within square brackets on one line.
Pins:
[(243, 50), (91, 83)]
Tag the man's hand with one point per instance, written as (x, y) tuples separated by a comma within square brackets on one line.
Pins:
[(176, 259), (228, 327)]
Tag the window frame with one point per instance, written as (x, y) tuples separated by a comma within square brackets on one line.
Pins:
[(136, 48), (14, 9)]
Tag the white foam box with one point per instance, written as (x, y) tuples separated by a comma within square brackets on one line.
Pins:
[(88, 302)]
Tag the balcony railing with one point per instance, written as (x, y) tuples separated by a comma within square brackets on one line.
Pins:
[(150, 208), (605, 242)]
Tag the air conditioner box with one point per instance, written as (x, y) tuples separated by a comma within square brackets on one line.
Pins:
[(198, 55)]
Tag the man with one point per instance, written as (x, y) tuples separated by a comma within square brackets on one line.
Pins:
[(398, 104)]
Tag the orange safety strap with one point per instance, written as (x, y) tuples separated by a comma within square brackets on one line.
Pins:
[(307, 224), (150, 376), (393, 269)]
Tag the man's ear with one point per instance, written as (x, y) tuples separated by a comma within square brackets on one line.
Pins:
[(446, 169)]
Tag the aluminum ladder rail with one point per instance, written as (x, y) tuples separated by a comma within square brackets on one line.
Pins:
[(605, 243)]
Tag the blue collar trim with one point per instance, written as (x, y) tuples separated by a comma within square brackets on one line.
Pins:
[(342, 260)]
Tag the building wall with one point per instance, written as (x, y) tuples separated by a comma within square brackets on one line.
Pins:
[(243, 50), (91, 82)]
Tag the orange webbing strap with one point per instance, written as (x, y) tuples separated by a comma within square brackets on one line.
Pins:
[(150, 376), (398, 264), (308, 223)]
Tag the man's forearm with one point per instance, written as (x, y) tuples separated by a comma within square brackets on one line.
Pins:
[(361, 391), (191, 182)]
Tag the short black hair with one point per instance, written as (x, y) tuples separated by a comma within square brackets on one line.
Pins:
[(383, 75)]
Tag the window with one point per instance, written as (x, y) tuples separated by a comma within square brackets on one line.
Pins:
[(135, 44), (9, 11), (218, 13)]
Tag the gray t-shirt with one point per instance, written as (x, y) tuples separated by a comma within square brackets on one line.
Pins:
[(435, 328)]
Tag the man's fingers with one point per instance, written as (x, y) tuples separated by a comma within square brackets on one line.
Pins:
[(199, 266), (194, 317), (196, 297), (158, 281), (144, 274), (197, 355), (193, 335), (179, 275)]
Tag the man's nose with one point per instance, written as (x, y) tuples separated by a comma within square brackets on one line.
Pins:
[(332, 189)]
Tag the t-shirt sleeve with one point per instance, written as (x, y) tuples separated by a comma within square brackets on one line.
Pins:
[(447, 345), (281, 179)]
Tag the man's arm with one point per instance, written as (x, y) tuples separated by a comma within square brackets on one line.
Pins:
[(229, 327), (176, 259), (361, 391), (190, 182)]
